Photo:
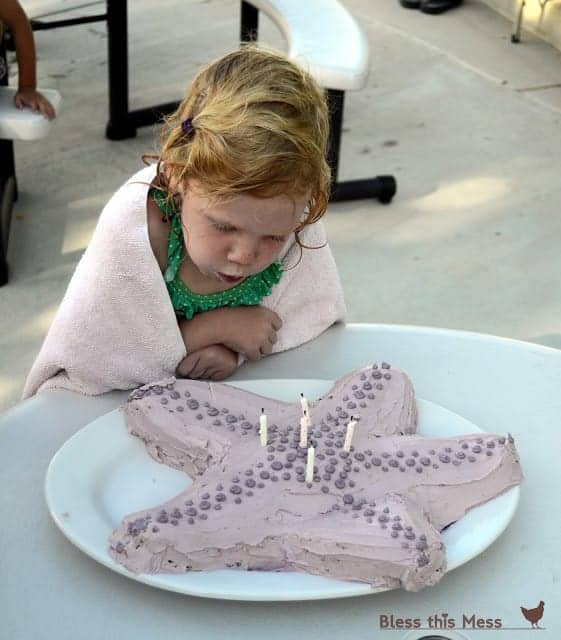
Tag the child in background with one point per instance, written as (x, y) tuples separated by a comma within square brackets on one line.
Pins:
[(13, 15), (215, 253)]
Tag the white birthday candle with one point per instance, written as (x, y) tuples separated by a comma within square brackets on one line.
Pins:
[(349, 435), (263, 428), (310, 464), (304, 423), (304, 404)]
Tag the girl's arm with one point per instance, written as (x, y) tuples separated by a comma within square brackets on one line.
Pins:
[(12, 13), (251, 331)]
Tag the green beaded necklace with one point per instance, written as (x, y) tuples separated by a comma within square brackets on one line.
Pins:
[(187, 303)]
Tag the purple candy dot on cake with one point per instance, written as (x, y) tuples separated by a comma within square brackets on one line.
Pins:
[(191, 520), (340, 484), (476, 449), (205, 504), (422, 560), (238, 500), (489, 452), (217, 506), (376, 462), (250, 482), (410, 462), (193, 404), (187, 394), (419, 469), (444, 458), (260, 485), (235, 489), (394, 534), (163, 400), (286, 475), (203, 516)]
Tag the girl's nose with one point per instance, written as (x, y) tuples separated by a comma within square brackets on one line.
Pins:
[(243, 252)]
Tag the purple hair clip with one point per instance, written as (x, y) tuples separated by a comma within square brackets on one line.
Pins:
[(187, 126)]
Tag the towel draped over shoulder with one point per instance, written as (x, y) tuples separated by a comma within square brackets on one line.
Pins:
[(116, 328)]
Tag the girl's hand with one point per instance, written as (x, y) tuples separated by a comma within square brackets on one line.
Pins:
[(251, 331), (215, 362), (36, 101)]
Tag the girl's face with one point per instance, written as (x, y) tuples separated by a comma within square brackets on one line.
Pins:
[(233, 239)]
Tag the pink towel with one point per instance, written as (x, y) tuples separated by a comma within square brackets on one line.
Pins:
[(116, 328)]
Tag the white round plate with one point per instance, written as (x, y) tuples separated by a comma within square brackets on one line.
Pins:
[(102, 474)]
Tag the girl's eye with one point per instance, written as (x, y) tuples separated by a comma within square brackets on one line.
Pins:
[(224, 228), (276, 238)]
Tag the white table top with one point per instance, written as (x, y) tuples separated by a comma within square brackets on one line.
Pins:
[(49, 589)]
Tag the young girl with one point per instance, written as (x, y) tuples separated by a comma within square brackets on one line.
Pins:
[(215, 253)]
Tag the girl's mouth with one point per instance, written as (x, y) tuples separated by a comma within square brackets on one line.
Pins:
[(229, 279)]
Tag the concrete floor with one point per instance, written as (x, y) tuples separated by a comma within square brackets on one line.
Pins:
[(467, 122)]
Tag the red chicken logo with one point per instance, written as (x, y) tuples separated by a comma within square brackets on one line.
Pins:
[(534, 615)]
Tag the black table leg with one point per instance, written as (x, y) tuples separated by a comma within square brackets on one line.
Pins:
[(120, 125)]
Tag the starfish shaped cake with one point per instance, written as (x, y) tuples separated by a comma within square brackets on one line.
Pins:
[(372, 514)]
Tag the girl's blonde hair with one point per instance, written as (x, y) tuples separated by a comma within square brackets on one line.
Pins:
[(259, 125)]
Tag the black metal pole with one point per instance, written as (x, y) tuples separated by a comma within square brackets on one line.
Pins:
[(119, 126), (41, 25), (335, 104), (249, 22)]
